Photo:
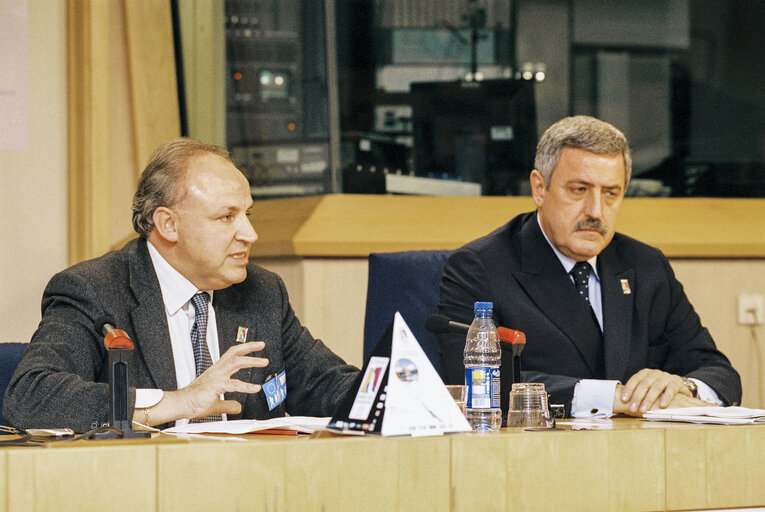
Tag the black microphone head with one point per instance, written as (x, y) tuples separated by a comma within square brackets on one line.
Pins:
[(104, 324), (437, 324)]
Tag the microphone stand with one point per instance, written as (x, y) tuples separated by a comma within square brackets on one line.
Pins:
[(119, 347), (517, 341)]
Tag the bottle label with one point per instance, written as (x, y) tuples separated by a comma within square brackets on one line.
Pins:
[(483, 388)]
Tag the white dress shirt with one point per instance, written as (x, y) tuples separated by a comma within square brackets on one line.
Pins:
[(177, 292), (595, 398)]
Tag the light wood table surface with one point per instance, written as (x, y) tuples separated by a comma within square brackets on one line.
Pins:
[(636, 465)]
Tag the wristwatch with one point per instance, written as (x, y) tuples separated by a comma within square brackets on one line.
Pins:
[(692, 387)]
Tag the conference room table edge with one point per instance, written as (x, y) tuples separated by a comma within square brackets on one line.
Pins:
[(624, 464)]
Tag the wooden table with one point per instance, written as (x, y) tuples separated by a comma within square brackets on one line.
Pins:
[(636, 465)]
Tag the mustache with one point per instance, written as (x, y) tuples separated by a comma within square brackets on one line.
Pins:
[(592, 224)]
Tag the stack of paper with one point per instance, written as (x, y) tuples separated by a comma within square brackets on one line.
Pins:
[(719, 415), (303, 424)]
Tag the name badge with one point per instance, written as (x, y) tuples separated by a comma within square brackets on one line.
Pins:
[(275, 388)]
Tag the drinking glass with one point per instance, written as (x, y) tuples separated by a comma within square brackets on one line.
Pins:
[(459, 394), (528, 406)]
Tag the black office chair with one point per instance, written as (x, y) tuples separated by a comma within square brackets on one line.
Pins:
[(407, 282), (10, 355)]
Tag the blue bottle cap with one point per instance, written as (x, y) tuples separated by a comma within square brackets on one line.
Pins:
[(479, 306)]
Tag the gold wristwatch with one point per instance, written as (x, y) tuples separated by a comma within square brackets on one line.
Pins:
[(694, 389)]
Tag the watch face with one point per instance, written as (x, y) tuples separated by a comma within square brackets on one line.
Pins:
[(691, 386)]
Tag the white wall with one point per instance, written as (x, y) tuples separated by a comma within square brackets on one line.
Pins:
[(33, 180)]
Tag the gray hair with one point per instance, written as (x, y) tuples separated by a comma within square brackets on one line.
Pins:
[(159, 184), (583, 132)]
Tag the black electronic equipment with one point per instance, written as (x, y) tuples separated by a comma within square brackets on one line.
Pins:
[(277, 110), (479, 131)]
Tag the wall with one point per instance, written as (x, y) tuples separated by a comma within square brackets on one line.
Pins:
[(713, 287), (33, 180)]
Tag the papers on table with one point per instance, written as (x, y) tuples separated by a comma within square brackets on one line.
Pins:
[(719, 415), (287, 424), (587, 424)]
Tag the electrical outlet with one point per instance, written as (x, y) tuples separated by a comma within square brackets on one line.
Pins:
[(751, 309)]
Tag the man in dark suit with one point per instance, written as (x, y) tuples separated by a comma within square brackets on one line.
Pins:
[(210, 329), (626, 340)]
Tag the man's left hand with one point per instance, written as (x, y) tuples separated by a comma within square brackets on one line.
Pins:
[(649, 389)]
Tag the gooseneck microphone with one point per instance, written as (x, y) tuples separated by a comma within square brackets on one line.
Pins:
[(440, 324), (510, 339), (119, 348)]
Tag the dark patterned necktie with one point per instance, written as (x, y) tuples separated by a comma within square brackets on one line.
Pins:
[(202, 359), (581, 275)]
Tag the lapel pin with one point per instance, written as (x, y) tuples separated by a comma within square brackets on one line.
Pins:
[(241, 334), (626, 287)]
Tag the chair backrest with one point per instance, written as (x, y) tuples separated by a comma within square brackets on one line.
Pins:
[(10, 355), (407, 282)]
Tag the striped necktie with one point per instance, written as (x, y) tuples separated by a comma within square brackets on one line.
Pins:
[(202, 359)]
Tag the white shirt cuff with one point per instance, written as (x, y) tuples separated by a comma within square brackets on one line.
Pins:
[(147, 397), (706, 393), (593, 398)]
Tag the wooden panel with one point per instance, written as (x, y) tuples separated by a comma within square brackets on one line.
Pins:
[(686, 469), (153, 85), (3, 482), (369, 474), (715, 467), (735, 467), (355, 225), (480, 473), (193, 476), (545, 471), (636, 466), (697, 227), (90, 478), (636, 470)]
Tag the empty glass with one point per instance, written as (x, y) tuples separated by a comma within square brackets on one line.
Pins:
[(528, 406), (459, 394)]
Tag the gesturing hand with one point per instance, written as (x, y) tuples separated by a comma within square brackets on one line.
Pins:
[(201, 398), (648, 389)]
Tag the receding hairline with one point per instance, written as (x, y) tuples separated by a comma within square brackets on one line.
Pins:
[(181, 184)]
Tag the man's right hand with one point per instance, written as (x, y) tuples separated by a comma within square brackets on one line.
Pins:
[(201, 398)]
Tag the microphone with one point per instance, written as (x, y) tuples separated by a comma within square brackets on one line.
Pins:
[(113, 338), (119, 348), (440, 324)]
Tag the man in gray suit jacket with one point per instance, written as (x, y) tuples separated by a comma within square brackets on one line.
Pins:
[(629, 341), (192, 210)]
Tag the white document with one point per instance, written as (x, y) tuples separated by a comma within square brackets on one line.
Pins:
[(304, 424), (418, 403), (720, 415)]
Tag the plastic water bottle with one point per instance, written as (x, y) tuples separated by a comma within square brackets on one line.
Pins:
[(482, 360)]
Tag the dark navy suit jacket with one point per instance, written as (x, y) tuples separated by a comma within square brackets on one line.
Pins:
[(647, 318), (62, 379)]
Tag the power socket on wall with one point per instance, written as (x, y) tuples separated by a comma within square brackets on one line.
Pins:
[(751, 309)]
